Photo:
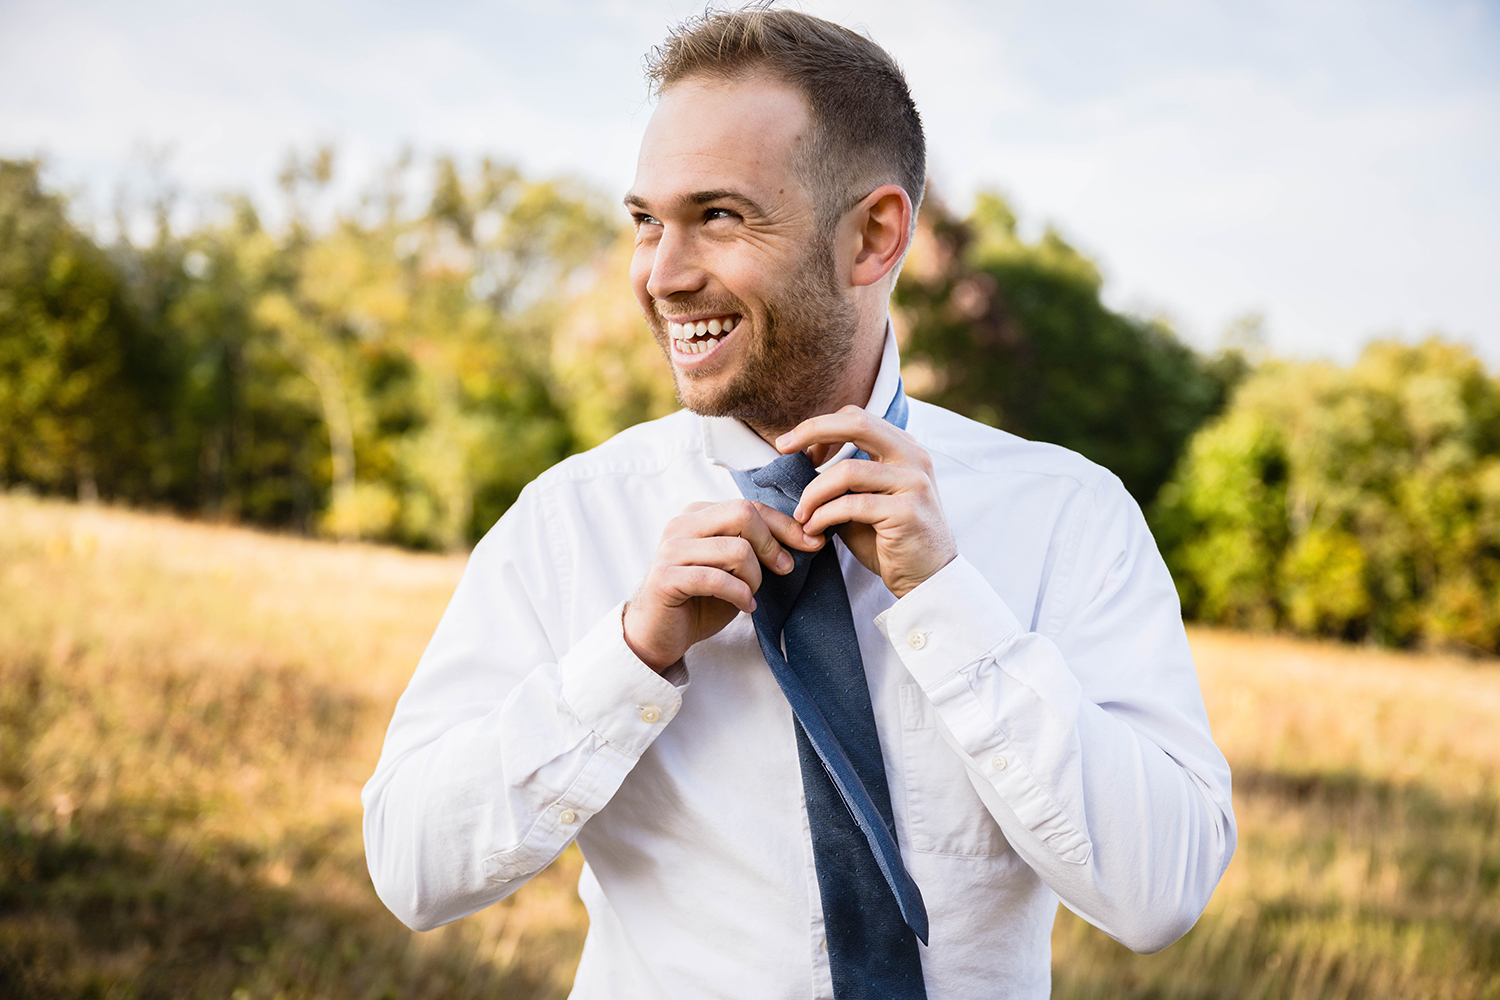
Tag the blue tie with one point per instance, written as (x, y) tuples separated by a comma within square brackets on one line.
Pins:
[(872, 910)]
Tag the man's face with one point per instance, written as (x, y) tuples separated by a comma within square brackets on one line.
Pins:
[(730, 270)]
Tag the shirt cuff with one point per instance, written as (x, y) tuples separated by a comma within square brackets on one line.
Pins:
[(947, 622), (613, 692)]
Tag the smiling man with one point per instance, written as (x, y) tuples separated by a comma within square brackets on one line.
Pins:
[(839, 692)]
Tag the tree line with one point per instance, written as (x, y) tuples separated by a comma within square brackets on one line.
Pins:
[(397, 368)]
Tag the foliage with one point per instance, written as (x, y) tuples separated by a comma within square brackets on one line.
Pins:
[(383, 372), (1014, 334), (68, 348), (1359, 502), (609, 370)]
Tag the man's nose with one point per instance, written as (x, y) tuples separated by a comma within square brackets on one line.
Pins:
[(675, 266)]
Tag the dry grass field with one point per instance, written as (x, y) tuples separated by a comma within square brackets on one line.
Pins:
[(187, 714)]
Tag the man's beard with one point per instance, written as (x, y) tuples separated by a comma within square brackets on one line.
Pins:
[(799, 355)]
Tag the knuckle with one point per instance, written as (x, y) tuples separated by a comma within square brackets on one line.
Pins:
[(700, 580)]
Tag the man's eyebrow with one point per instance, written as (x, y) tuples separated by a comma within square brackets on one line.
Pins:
[(633, 200), (724, 194)]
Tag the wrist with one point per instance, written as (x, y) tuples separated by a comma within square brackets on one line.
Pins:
[(654, 659)]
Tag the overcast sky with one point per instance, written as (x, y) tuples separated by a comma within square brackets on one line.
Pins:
[(1332, 165)]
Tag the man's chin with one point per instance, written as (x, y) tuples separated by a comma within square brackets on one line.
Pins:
[(709, 400)]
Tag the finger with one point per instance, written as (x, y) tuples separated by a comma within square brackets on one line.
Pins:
[(859, 508), (753, 522), (747, 519), (727, 553), (788, 530), (856, 476), (679, 584), (879, 438)]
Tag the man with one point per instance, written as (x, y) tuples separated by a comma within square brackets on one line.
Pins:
[(599, 675)]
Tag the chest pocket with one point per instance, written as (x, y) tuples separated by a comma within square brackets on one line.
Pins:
[(944, 814)]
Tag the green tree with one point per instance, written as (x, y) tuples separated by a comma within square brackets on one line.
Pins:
[(609, 370), (1360, 502), (68, 418), (427, 339), (1014, 334)]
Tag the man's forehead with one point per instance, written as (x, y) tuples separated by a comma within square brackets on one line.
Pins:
[(712, 138)]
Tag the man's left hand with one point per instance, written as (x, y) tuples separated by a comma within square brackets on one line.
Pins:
[(887, 509)]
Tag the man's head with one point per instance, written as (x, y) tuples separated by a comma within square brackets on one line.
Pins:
[(865, 127), (768, 238)]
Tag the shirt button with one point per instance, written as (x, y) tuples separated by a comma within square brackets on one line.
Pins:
[(916, 640), (650, 714), (999, 762), (568, 817)]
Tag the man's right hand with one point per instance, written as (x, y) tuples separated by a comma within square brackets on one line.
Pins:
[(707, 570)]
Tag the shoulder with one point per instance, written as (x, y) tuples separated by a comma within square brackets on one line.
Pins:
[(968, 448), (611, 493), (645, 450)]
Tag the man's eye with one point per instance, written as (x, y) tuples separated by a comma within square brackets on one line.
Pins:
[(718, 213), (641, 219)]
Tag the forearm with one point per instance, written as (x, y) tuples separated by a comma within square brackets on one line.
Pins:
[(479, 788), (1111, 789)]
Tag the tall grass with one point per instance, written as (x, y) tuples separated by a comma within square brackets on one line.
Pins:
[(1369, 855), (187, 714)]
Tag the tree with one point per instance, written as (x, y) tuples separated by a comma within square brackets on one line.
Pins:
[(1014, 334), (1359, 502), (68, 418)]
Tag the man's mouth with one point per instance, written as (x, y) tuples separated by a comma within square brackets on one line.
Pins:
[(700, 335)]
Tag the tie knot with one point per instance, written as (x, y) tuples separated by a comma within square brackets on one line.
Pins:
[(788, 476)]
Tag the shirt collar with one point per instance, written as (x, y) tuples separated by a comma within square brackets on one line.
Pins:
[(730, 442)]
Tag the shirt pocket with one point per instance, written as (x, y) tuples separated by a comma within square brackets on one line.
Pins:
[(944, 815)]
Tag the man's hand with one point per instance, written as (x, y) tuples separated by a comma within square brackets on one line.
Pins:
[(707, 570), (887, 509)]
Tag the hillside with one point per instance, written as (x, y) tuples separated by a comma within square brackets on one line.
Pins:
[(187, 714)]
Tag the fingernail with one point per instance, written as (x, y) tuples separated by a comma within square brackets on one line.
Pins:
[(784, 561), (782, 441)]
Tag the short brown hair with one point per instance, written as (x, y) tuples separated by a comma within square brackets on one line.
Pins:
[(866, 129)]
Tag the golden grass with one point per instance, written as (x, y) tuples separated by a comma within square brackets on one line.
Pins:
[(1369, 854), (187, 714)]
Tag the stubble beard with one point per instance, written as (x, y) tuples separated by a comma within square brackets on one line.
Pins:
[(799, 356)]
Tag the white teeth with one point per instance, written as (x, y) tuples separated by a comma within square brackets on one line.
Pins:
[(683, 334)]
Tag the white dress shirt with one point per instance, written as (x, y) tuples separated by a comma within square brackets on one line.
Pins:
[(1043, 731)]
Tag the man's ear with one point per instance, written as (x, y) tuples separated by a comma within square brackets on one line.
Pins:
[(883, 230)]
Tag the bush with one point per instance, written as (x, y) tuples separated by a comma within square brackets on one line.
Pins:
[(1359, 502)]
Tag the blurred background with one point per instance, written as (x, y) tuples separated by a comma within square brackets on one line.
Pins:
[(294, 299)]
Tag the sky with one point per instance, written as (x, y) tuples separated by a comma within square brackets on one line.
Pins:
[(1331, 166)]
